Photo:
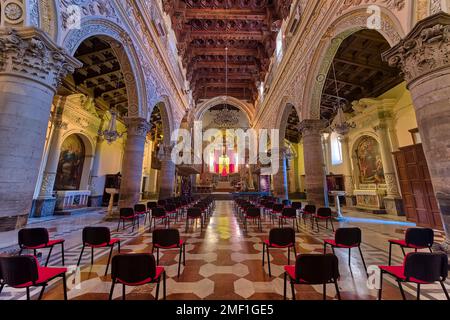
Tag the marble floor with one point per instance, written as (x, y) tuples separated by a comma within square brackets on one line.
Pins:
[(224, 262)]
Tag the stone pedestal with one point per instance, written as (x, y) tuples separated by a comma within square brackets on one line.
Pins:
[(314, 163), (31, 66), (167, 174), (423, 56), (130, 186)]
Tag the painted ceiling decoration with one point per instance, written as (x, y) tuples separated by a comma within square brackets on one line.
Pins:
[(205, 28)]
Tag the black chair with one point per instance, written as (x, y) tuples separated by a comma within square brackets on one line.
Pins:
[(194, 214), (324, 214), (276, 211), (279, 238), (141, 210), (421, 268), (288, 214), (151, 205), (346, 238), (252, 213), (136, 270), (38, 238), (162, 203), (313, 269), (169, 239), (24, 272), (171, 211), (127, 214), (159, 213), (98, 237), (309, 210), (415, 238)]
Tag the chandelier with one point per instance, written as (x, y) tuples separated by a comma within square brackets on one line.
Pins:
[(341, 126), (111, 134)]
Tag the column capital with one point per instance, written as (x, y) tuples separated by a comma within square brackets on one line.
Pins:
[(424, 50), (30, 53), (312, 126), (137, 127)]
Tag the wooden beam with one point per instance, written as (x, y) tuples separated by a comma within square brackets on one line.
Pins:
[(230, 14)]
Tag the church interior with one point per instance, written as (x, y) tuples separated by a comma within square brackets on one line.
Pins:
[(342, 109)]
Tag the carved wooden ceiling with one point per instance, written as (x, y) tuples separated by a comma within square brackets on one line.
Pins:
[(292, 133), (101, 76), (205, 28), (360, 72)]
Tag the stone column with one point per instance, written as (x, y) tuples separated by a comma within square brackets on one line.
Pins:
[(31, 67), (314, 162), (96, 183), (280, 178), (423, 56), (167, 175), (130, 187), (348, 172), (45, 204)]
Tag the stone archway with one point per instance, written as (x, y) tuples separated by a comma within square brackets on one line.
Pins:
[(337, 32), (201, 109), (123, 47)]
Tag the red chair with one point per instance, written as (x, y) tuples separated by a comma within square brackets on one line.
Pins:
[(279, 238), (159, 213), (134, 270), (141, 210), (171, 211), (309, 210), (252, 213), (169, 239), (420, 268), (98, 237), (24, 272), (289, 214), (277, 209), (38, 238), (324, 214), (346, 238), (415, 238), (194, 214), (313, 269), (127, 214)]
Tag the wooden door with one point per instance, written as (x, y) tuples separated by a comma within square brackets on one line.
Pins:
[(417, 191)]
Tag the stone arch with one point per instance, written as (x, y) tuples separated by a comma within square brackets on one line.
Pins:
[(337, 32), (123, 47), (165, 107), (205, 106), (283, 114)]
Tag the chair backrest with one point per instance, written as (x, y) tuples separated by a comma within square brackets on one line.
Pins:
[(170, 207), (278, 207), (151, 204), (310, 208), (289, 212), (286, 202), (96, 235), (253, 212), (33, 237), (324, 212), (269, 205), (317, 268), (348, 236), (126, 212), (425, 266), (166, 237), (162, 202), (140, 208), (158, 212), (194, 212), (282, 236), (19, 270), (296, 205), (133, 268), (422, 237)]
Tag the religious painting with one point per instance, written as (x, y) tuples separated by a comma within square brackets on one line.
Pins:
[(70, 166), (369, 162)]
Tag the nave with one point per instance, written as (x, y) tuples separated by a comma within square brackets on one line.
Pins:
[(223, 262)]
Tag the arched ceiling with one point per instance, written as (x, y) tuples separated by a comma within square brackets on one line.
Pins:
[(205, 28), (360, 72)]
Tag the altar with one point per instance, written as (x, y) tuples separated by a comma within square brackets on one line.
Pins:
[(70, 200), (370, 199)]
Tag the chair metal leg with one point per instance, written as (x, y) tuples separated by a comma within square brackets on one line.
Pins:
[(164, 286), (62, 253), (380, 291), (284, 287), (292, 290), (418, 291), (401, 290), (295, 253), (28, 293), (157, 288), (332, 226), (349, 257), (123, 292), (20, 252), (442, 285), (42, 293), (268, 261), (390, 253), (48, 257), (264, 253), (112, 289), (179, 260), (362, 258), (403, 250), (184, 254), (65, 286), (81, 255), (92, 255), (1, 287), (324, 248), (109, 260), (118, 226), (337, 289), (157, 255), (118, 245), (289, 256)]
